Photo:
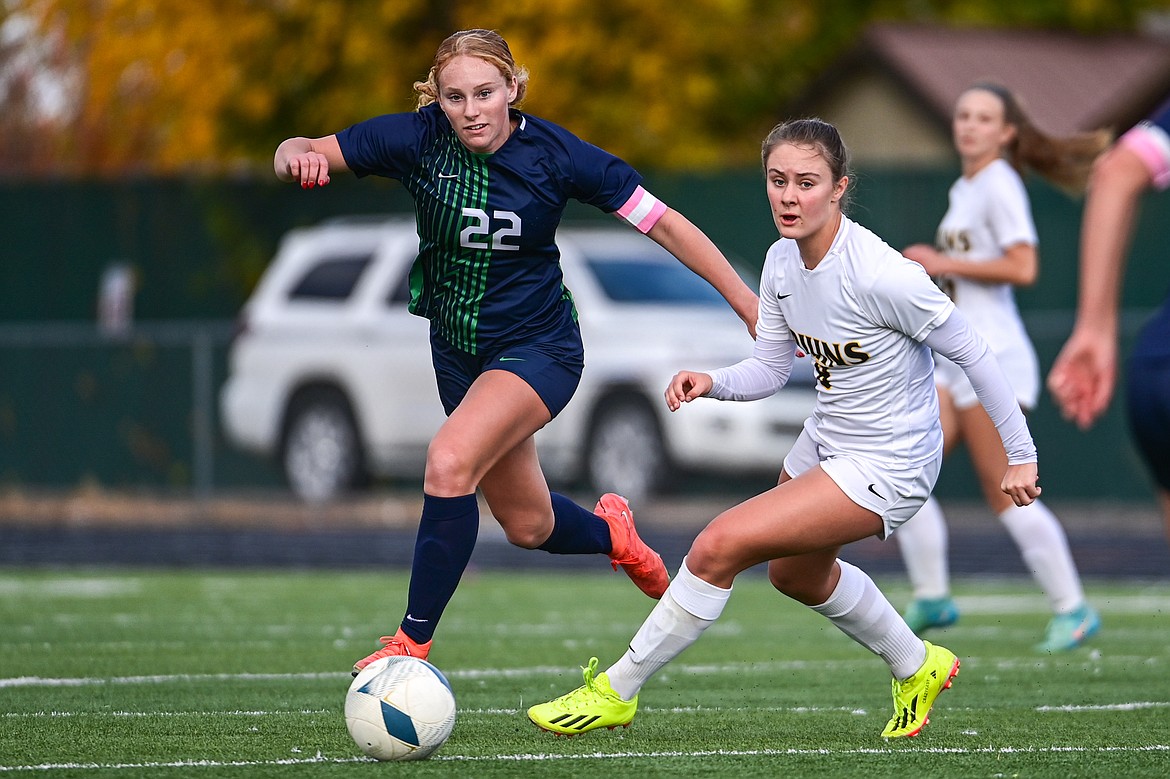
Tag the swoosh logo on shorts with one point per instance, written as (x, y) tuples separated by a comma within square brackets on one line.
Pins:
[(511, 359), (875, 492)]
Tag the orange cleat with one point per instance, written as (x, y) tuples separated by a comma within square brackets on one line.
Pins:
[(397, 644), (641, 563)]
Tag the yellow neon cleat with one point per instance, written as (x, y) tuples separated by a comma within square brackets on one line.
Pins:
[(914, 697), (592, 705)]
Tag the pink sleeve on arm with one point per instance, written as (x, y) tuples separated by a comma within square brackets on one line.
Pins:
[(642, 210), (1151, 143)]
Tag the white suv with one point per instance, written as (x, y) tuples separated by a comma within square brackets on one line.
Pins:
[(332, 375)]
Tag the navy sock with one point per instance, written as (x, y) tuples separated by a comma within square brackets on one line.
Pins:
[(575, 530), (446, 538)]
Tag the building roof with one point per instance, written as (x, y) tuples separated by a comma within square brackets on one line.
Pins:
[(1066, 81)]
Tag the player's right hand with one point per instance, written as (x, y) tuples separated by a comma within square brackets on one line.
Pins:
[(309, 169), (1083, 376), (685, 387)]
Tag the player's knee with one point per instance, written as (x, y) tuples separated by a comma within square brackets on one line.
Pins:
[(711, 556), (448, 471)]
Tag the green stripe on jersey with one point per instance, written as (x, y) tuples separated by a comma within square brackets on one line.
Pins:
[(460, 279)]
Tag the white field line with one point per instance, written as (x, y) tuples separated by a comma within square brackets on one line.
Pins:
[(89, 681), (549, 757), (1135, 706), (136, 714), (1093, 660), (1143, 603), (463, 712), (508, 712), (1154, 599)]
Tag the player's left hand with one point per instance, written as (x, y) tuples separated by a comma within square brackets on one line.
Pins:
[(1021, 483)]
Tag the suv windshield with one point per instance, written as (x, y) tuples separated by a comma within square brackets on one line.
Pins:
[(635, 280), (333, 278)]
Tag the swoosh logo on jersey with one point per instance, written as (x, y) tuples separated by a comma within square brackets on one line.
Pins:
[(875, 492), (448, 176), (781, 297), (511, 359)]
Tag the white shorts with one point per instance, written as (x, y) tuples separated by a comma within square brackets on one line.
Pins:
[(894, 494), (1019, 365)]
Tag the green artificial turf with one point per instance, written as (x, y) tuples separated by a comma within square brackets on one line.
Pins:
[(116, 673)]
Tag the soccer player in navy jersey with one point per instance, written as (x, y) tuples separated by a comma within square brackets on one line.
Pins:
[(1085, 371), (490, 185)]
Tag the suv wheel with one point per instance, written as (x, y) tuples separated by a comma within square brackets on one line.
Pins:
[(322, 455), (626, 453)]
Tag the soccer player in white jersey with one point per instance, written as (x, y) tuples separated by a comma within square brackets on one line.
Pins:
[(866, 460), (986, 245)]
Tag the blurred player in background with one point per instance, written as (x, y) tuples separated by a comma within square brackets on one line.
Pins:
[(986, 245), (490, 185), (1083, 376), (867, 457)]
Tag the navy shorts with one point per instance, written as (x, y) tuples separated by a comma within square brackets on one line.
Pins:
[(552, 366), (1148, 408)]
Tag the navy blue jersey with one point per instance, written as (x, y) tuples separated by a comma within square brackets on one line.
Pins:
[(1150, 140), (488, 271)]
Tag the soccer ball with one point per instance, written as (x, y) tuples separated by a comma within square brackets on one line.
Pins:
[(399, 708)]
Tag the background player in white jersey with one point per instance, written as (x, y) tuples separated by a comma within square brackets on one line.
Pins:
[(866, 460), (985, 245), (490, 185), (1084, 373)]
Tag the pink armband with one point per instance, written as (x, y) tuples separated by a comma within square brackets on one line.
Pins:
[(1152, 145), (642, 210)]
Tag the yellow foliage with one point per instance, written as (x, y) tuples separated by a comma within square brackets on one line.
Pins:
[(173, 85), (176, 85)]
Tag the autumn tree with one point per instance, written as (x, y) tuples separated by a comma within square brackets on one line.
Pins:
[(163, 86)]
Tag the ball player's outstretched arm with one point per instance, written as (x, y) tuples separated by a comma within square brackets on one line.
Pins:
[(1083, 376), (308, 161), (675, 233)]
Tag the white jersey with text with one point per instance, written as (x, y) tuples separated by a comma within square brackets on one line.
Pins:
[(861, 315), (988, 214)]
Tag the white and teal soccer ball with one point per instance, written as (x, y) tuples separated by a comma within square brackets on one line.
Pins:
[(399, 708)]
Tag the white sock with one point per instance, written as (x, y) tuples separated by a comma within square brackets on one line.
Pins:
[(923, 541), (861, 612), (689, 606), (1044, 547)]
